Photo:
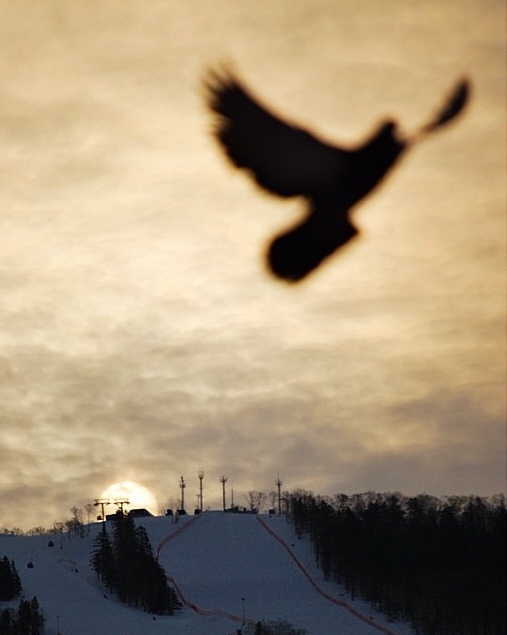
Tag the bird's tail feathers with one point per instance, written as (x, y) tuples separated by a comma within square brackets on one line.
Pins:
[(453, 106)]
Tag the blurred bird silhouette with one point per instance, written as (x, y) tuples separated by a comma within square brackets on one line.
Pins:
[(289, 161)]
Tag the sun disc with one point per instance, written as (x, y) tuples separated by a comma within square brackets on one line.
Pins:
[(138, 496)]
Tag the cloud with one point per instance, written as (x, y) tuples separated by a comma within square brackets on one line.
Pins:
[(141, 337)]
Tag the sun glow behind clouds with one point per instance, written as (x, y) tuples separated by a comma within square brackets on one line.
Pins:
[(136, 495)]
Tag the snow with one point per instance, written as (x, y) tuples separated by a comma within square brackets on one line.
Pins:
[(214, 560)]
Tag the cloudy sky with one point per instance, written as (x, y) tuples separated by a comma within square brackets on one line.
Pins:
[(142, 338)]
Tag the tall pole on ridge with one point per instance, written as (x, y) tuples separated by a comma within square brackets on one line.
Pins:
[(182, 487), (223, 480), (201, 476), (279, 484)]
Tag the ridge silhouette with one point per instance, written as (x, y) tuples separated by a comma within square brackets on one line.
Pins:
[(288, 161)]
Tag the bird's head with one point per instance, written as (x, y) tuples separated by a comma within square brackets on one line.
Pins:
[(385, 142), (388, 130)]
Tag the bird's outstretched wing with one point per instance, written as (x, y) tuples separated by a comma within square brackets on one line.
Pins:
[(289, 161), (283, 158)]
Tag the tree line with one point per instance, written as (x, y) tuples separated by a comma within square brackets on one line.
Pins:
[(10, 582), (438, 563), (28, 619), (127, 567), (73, 526), (274, 627)]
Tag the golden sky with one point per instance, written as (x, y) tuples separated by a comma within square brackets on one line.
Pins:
[(141, 337)]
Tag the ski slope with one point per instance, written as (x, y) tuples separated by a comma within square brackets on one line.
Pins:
[(225, 567)]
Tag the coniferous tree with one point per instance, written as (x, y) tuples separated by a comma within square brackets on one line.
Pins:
[(128, 567), (437, 563), (10, 582), (28, 620), (6, 622), (276, 627), (36, 618), (102, 560)]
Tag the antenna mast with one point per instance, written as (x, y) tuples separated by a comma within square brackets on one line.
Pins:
[(279, 485), (182, 487), (223, 480), (201, 476)]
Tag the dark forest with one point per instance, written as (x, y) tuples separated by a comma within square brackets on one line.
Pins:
[(440, 564), (127, 567)]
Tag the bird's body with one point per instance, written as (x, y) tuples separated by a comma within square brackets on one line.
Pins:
[(289, 161), (327, 225)]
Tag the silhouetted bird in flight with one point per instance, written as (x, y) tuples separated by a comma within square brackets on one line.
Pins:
[(289, 161)]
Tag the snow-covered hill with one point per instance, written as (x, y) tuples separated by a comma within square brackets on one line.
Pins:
[(225, 567)]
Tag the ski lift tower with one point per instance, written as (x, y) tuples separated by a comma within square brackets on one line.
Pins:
[(120, 502), (102, 502)]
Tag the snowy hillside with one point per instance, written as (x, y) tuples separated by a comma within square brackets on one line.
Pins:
[(224, 567)]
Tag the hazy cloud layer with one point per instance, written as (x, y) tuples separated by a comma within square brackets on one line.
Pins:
[(142, 338)]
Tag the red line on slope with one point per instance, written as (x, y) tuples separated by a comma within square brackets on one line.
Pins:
[(191, 605), (178, 531), (324, 594), (205, 612)]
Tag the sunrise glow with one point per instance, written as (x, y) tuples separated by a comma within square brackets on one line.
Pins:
[(136, 495)]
